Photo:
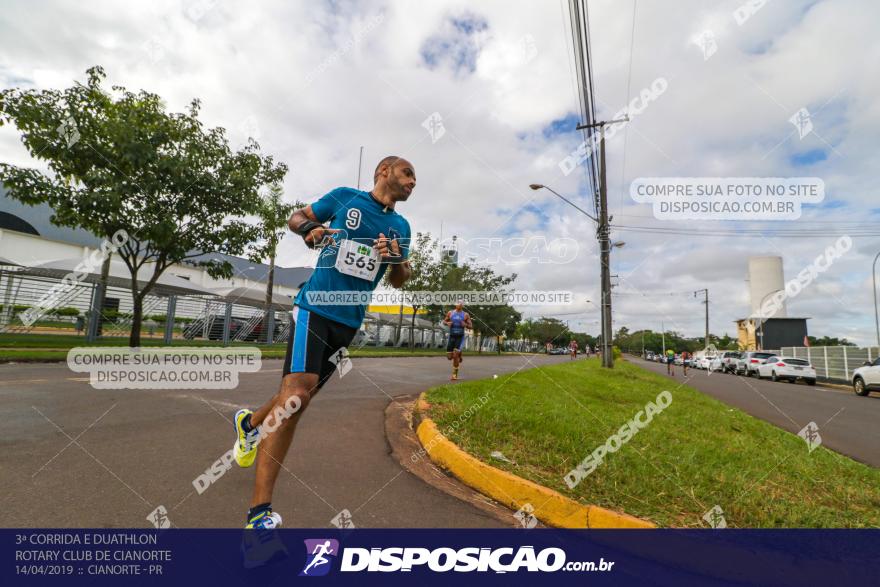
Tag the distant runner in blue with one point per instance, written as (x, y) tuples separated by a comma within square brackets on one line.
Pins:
[(361, 237), (457, 320)]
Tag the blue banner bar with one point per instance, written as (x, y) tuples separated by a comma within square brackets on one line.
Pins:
[(439, 557)]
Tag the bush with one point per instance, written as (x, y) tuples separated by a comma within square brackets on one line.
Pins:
[(68, 311), (615, 352), (16, 308)]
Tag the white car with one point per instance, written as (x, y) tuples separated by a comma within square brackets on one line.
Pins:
[(716, 364), (787, 369), (704, 361), (867, 378)]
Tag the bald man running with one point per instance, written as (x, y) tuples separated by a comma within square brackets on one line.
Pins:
[(362, 236)]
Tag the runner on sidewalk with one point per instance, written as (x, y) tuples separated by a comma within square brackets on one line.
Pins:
[(573, 349), (670, 362), (365, 238), (457, 320)]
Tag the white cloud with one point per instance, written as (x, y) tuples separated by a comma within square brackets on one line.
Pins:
[(317, 86)]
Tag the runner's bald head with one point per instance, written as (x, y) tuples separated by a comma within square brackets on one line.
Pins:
[(394, 179), (388, 161)]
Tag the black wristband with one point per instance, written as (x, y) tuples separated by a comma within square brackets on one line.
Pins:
[(306, 227)]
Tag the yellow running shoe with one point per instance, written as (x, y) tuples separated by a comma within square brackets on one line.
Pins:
[(245, 449)]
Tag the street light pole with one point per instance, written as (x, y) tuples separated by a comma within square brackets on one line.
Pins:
[(604, 231), (538, 186)]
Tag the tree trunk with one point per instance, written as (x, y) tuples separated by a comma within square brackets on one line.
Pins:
[(412, 331), (134, 339), (498, 344), (269, 288), (95, 329)]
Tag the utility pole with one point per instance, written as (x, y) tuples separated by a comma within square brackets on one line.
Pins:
[(603, 234), (663, 330), (705, 301)]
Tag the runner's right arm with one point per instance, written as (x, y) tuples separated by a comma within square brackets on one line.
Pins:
[(304, 223)]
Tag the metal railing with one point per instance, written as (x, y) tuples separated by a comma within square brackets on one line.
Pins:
[(834, 362)]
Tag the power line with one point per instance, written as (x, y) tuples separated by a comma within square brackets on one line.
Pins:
[(583, 61), (632, 40)]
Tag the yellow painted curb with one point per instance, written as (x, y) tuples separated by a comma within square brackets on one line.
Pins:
[(551, 507)]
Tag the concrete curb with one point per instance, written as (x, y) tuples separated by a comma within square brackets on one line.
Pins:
[(551, 507)]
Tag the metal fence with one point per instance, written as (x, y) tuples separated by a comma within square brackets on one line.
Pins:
[(193, 317), (834, 362)]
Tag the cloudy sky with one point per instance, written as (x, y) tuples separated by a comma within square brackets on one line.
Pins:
[(315, 81)]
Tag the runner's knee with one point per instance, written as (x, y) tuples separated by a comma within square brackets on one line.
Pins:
[(294, 395)]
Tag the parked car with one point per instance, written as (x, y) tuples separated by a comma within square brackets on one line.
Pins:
[(750, 361), (649, 356), (787, 369), (196, 328), (715, 363), (867, 378), (728, 361), (557, 351), (704, 361)]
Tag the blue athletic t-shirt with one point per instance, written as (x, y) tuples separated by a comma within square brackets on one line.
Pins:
[(359, 218)]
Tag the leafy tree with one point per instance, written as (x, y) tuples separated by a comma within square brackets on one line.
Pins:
[(274, 213), (552, 330), (119, 161), (425, 267)]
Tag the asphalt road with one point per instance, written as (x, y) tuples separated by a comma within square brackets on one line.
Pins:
[(73, 456), (848, 424)]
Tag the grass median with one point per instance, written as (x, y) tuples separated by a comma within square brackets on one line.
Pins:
[(695, 454)]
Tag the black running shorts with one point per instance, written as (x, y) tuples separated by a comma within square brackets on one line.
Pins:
[(455, 342), (314, 340)]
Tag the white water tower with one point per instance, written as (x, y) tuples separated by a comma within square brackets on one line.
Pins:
[(765, 278)]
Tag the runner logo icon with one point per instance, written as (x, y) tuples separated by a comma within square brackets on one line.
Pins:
[(320, 553)]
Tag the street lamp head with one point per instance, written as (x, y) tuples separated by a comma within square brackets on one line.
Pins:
[(618, 244), (535, 186)]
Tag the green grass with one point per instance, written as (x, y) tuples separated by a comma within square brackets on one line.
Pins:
[(54, 347), (695, 454)]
